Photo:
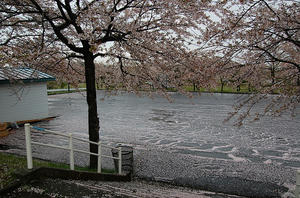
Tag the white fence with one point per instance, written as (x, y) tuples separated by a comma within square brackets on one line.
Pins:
[(28, 128)]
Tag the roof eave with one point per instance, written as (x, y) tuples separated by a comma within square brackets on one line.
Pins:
[(27, 80)]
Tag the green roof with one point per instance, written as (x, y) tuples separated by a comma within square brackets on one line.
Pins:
[(8, 75)]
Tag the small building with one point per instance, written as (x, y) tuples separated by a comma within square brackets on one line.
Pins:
[(23, 94)]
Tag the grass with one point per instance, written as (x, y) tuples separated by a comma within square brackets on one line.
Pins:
[(63, 85), (11, 164), (187, 88), (226, 89), (63, 92)]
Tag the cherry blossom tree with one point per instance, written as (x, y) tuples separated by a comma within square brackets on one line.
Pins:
[(258, 42), (142, 42), (151, 44)]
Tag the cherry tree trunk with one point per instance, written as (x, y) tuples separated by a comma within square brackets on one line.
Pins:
[(93, 120)]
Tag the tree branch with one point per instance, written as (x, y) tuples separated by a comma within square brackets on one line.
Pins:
[(57, 29), (277, 59)]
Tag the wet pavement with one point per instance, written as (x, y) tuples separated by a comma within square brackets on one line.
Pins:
[(50, 188), (184, 142)]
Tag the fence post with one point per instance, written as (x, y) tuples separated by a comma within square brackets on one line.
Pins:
[(99, 158), (120, 160), (28, 146), (297, 190), (71, 152)]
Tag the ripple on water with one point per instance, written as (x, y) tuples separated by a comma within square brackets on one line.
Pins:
[(206, 146), (272, 153), (165, 142), (188, 144), (203, 153), (296, 154), (213, 146), (237, 159), (294, 164), (225, 149)]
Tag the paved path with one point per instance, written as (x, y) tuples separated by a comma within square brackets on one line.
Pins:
[(92, 189)]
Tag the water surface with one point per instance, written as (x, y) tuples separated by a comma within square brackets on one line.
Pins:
[(186, 126)]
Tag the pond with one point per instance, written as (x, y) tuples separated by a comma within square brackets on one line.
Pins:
[(187, 126)]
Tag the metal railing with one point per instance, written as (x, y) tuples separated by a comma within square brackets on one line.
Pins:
[(29, 144)]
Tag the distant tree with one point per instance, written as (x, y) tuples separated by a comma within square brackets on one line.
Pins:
[(139, 39), (222, 84)]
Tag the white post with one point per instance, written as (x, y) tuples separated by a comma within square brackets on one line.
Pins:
[(297, 190), (120, 161), (28, 146), (71, 152), (99, 158)]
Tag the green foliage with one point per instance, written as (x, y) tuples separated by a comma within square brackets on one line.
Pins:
[(53, 85)]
